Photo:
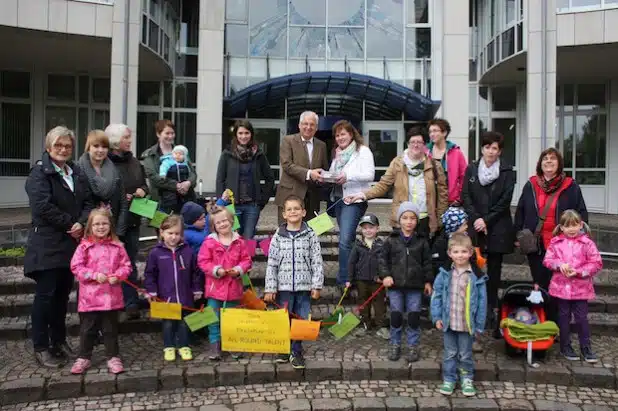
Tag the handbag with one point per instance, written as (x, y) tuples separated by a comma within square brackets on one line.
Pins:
[(528, 240)]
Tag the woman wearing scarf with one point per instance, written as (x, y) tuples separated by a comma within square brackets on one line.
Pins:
[(242, 168), (487, 194), (414, 177), (105, 180), (549, 183), (353, 169)]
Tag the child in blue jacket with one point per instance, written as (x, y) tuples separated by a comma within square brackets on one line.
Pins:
[(458, 308), (197, 223)]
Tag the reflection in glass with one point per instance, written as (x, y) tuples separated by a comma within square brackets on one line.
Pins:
[(584, 3), (591, 178), (508, 43), (145, 133), (348, 13), (148, 93), (61, 87), (268, 20), (236, 39), (268, 140), (100, 119), (591, 137), (504, 98), (383, 145), (590, 96), (15, 131), (59, 116), (510, 11), (506, 126), (567, 149), (312, 12), (186, 129), (418, 43), (186, 94), (307, 41), (385, 29), (343, 42)]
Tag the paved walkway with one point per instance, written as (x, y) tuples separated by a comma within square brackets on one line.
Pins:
[(341, 396)]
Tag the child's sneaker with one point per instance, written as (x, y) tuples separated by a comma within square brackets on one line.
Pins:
[(215, 351), (298, 362), (114, 365), (282, 359), (80, 366), (467, 388), (169, 354), (384, 333), (447, 388), (569, 353), (185, 353), (413, 354), (588, 355), (394, 352)]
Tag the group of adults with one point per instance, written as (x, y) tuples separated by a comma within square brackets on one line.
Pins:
[(432, 175)]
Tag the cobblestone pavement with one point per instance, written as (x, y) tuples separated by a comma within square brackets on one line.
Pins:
[(337, 395)]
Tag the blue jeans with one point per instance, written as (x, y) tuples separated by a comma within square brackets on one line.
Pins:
[(348, 217), (457, 355), (298, 303), (175, 333), (248, 216), (214, 330), (408, 301), (131, 245)]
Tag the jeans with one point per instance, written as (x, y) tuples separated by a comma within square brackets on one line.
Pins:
[(49, 309), (579, 310), (131, 245), (90, 323), (248, 216), (408, 301), (176, 333), (457, 355), (299, 304), (214, 330), (348, 217)]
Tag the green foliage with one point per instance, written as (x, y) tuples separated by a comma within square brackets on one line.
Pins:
[(14, 252)]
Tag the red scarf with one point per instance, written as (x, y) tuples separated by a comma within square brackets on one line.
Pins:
[(550, 186)]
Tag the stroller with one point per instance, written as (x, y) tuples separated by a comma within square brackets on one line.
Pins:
[(514, 297)]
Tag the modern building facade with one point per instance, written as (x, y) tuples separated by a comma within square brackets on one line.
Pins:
[(507, 65)]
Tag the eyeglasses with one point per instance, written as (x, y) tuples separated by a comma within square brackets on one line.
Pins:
[(416, 143), (60, 147)]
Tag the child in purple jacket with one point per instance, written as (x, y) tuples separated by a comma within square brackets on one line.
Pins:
[(172, 275)]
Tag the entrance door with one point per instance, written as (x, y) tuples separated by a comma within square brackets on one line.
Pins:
[(268, 134), (385, 139)]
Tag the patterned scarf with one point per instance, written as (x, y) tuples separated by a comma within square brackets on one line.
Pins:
[(343, 156), (550, 186), (488, 175), (245, 153)]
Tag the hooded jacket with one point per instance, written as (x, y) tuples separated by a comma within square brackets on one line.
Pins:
[(583, 256), (172, 275), (363, 264), (476, 301), (454, 164), (408, 262), (107, 257), (294, 262), (213, 255)]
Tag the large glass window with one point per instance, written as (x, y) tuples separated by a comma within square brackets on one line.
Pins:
[(346, 13), (268, 24), (418, 11), (385, 29), (346, 43)]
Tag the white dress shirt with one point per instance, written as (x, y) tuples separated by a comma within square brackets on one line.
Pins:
[(309, 145)]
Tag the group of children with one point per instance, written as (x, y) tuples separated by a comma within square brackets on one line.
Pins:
[(200, 256)]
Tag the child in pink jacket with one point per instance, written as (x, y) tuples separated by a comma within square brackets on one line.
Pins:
[(574, 259), (223, 258), (100, 264)]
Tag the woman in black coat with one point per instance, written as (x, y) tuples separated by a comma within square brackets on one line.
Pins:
[(242, 167), (60, 201), (487, 194)]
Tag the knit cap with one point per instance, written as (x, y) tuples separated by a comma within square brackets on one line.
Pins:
[(407, 206), (191, 212), (453, 218), (184, 150)]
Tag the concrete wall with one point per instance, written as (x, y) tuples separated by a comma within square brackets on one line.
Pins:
[(63, 16), (592, 27)]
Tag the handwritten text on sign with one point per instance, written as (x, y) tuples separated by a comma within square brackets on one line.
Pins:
[(255, 331)]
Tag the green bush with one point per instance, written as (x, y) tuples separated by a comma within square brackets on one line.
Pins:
[(13, 252)]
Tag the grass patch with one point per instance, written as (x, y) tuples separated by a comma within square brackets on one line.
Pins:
[(14, 252)]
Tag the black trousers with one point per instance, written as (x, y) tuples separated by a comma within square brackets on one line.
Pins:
[(90, 323), (494, 272), (49, 309), (541, 275)]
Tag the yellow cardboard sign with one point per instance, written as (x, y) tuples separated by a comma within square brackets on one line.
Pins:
[(321, 224), (165, 311), (255, 331)]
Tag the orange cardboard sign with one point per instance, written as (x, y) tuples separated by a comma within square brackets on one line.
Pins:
[(251, 301), (304, 330)]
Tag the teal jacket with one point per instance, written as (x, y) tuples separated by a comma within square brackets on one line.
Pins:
[(476, 301)]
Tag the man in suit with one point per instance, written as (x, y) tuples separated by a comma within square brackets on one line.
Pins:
[(303, 158)]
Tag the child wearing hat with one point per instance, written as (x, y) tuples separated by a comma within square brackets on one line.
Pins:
[(406, 271), (197, 223), (363, 274)]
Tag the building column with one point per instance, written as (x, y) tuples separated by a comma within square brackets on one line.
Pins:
[(210, 92), (125, 63), (540, 39), (449, 58)]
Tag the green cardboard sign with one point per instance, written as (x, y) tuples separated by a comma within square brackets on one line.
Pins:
[(143, 207), (321, 224), (157, 219), (348, 323), (232, 209), (201, 319), (246, 281), (333, 318)]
